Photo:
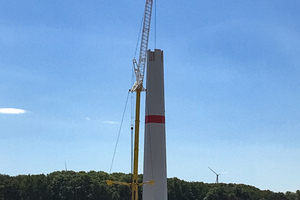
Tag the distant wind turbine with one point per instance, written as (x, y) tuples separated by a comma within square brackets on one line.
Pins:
[(66, 166), (217, 175)]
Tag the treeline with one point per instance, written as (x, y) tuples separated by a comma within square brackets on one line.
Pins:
[(70, 185)]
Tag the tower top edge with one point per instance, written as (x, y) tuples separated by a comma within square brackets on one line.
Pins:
[(154, 50)]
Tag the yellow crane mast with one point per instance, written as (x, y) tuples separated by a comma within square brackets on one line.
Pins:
[(139, 69)]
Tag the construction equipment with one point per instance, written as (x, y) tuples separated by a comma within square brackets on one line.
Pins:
[(139, 69)]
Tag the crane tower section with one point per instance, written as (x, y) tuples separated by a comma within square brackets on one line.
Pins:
[(139, 67)]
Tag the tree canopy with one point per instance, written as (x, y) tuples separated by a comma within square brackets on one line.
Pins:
[(70, 185)]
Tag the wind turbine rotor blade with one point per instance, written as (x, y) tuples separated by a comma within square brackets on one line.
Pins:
[(213, 171)]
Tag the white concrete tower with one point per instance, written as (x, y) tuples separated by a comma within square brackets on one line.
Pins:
[(155, 166)]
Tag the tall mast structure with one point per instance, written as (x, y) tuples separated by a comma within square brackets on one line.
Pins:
[(139, 69), (155, 162)]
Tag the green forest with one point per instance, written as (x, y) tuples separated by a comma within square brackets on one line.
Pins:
[(70, 185)]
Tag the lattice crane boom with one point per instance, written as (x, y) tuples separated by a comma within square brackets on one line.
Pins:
[(139, 67)]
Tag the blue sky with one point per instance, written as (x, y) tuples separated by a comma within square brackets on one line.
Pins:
[(232, 87)]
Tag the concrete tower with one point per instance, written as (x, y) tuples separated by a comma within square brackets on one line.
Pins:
[(155, 167)]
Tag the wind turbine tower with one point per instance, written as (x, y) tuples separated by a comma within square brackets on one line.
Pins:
[(155, 167)]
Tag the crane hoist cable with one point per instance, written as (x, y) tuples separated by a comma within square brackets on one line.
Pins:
[(138, 39), (115, 150)]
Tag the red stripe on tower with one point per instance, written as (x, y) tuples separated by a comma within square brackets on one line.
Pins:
[(159, 119)]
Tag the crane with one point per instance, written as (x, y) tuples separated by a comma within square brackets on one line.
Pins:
[(139, 69)]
